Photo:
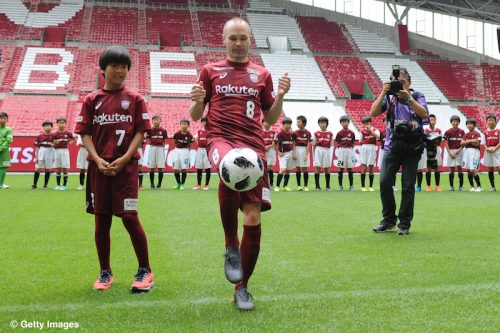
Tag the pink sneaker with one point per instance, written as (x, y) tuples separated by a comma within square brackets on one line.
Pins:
[(104, 280), (143, 281), (205, 187), (197, 187)]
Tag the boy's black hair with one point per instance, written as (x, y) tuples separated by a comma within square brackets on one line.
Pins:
[(432, 116), (323, 119), (61, 119), (4, 115), (366, 119), (47, 122), (156, 116), (488, 116), (286, 120), (204, 118), (114, 55), (344, 118), (303, 119), (454, 117), (470, 121), (184, 120)]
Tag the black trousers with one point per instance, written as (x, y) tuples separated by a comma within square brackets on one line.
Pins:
[(390, 166)]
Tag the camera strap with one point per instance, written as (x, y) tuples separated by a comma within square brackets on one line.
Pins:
[(391, 115)]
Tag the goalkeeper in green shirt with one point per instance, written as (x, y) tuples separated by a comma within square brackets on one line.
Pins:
[(5, 140)]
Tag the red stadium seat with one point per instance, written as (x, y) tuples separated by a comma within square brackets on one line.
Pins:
[(479, 113), (324, 36)]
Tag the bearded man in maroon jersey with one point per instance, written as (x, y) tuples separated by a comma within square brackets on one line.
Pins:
[(238, 93)]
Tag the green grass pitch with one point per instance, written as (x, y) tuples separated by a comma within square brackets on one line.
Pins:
[(321, 267)]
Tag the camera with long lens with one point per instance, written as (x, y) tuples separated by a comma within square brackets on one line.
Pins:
[(396, 84), (432, 141)]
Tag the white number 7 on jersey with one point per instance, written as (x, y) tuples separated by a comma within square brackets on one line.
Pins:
[(121, 133)]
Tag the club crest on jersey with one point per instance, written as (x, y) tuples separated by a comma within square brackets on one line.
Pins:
[(125, 105), (254, 77)]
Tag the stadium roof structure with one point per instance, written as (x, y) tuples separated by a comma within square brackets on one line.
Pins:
[(482, 10)]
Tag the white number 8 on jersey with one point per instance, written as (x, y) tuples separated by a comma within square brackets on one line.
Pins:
[(250, 109)]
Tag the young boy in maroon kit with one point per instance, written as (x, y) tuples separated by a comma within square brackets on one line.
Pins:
[(345, 152), (239, 94), (112, 124)]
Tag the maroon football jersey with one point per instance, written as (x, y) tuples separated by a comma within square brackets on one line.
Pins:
[(345, 138), (202, 138), (182, 140), (428, 130), (382, 138), (63, 138), (367, 137), (285, 141), (472, 135), (268, 137), (492, 137), (454, 137), (323, 139), (238, 94), (44, 140), (157, 136), (302, 138), (113, 118)]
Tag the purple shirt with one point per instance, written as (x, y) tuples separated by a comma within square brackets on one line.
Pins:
[(403, 113)]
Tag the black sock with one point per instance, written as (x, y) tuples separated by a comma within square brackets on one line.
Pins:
[(65, 178), (341, 176), (491, 176), (270, 174), (177, 177), (184, 175), (461, 179), (471, 179), (35, 177), (351, 178), (452, 177), (363, 177), (82, 178), (280, 177), (437, 177), (208, 173), (478, 180), (287, 178), (199, 174), (306, 178), (327, 178), (297, 174), (58, 179), (152, 177), (160, 178), (428, 178), (371, 177), (140, 178), (316, 179), (420, 176), (47, 177)]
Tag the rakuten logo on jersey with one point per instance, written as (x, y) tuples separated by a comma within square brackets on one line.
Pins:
[(235, 90), (104, 119)]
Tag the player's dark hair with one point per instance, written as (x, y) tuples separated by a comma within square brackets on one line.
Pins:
[(323, 119), (303, 119), (344, 118), (432, 116), (470, 121), (286, 120), (204, 119), (488, 116), (4, 115), (115, 55), (156, 116), (61, 119), (366, 119), (47, 122), (454, 117), (184, 120)]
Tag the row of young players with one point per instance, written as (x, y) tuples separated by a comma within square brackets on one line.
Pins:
[(51, 151), (463, 151)]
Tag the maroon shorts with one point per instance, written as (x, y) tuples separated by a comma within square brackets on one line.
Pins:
[(114, 195), (217, 149)]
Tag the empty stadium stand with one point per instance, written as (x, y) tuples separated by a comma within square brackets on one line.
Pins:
[(172, 111), (479, 113), (324, 36), (370, 42), (177, 23), (114, 25), (211, 24)]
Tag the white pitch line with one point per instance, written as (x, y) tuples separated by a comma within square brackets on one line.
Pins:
[(494, 287)]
